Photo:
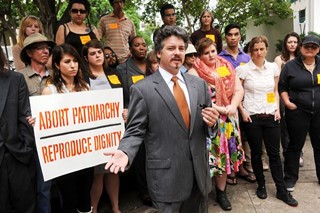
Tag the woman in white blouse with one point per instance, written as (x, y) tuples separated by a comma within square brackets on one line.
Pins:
[(261, 116)]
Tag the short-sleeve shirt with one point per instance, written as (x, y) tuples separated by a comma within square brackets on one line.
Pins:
[(35, 82), (258, 84), (242, 58), (117, 34), (213, 34)]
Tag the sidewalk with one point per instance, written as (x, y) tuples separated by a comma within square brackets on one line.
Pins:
[(243, 197)]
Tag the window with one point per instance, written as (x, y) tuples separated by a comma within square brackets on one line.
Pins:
[(302, 16)]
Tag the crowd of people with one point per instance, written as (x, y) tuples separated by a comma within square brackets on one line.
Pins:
[(193, 111)]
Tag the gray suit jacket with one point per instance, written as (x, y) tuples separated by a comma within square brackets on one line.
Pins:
[(175, 157), (16, 135)]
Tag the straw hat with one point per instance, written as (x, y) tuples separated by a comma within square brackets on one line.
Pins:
[(191, 49), (30, 40)]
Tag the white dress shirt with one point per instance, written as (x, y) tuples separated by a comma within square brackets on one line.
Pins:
[(258, 84), (167, 78)]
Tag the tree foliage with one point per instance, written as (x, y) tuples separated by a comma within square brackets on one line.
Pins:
[(186, 10), (239, 11), (188, 13)]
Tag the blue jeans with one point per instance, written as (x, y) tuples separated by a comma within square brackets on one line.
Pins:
[(43, 191)]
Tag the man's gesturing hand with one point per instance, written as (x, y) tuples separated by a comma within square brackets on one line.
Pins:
[(119, 160)]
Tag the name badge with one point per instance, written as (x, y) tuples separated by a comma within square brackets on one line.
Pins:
[(271, 98), (114, 79), (242, 63), (223, 71), (318, 76), (137, 78), (212, 37), (85, 39), (113, 26)]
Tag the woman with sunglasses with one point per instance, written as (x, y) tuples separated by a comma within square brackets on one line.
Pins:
[(28, 25), (299, 87), (111, 58), (99, 77), (77, 32)]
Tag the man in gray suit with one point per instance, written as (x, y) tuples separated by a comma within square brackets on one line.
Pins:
[(176, 154)]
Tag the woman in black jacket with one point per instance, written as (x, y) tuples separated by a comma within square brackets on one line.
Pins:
[(299, 87)]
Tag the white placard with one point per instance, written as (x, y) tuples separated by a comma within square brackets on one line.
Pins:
[(73, 130)]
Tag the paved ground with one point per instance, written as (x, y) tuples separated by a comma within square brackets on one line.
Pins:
[(242, 196)]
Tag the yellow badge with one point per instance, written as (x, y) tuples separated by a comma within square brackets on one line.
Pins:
[(242, 63), (114, 79), (113, 26), (271, 98), (85, 39), (223, 71), (318, 76), (212, 37), (137, 78)]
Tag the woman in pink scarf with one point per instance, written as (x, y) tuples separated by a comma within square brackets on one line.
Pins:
[(225, 150)]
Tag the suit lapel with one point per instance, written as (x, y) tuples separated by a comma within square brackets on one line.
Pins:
[(4, 82), (164, 92), (193, 97)]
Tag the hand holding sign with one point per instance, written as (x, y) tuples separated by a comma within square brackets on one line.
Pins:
[(118, 161)]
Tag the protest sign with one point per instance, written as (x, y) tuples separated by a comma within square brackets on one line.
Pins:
[(73, 130)]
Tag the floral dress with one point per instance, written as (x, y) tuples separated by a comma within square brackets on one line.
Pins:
[(225, 148)]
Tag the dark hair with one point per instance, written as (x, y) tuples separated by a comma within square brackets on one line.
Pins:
[(151, 57), (94, 43), (202, 44), (285, 55), (165, 7), (57, 54), (246, 47), (84, 2), (210, 13), (111, 2), (4, 64), (258, 39), (231, 26), (132, 40), (117, 61), (168, 31)]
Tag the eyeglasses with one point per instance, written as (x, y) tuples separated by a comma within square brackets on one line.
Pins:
[(109, 55), (312, 46), (192, 55), (169, 15), (76, 11)]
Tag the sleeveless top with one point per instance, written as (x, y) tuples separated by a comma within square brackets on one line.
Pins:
[(101, 82), (78, 40)]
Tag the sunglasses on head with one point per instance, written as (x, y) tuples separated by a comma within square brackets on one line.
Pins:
[(75, 11), (109, 55)]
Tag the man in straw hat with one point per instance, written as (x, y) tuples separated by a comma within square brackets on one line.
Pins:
[(35, 54), (190, 58)]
